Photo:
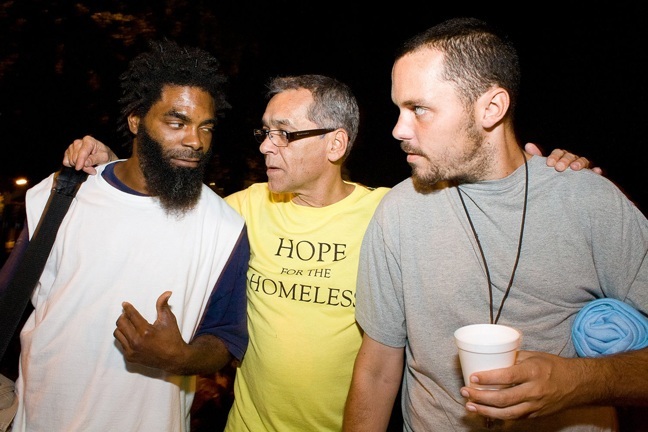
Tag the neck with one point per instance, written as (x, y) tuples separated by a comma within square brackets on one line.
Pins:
[(508, 154), (323, 197), (500, 152), (512, 158), (129, 173)]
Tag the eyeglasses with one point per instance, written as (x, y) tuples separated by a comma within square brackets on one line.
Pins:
[(281, 138)]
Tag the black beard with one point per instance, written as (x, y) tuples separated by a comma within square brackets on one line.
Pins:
[(178, 189)]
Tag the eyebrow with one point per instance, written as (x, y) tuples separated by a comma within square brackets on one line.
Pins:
[(278, 123), (185, 118), (411, 103)]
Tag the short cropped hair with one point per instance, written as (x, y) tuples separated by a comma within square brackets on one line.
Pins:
[(334, 104), (476, 57), (167, 63)]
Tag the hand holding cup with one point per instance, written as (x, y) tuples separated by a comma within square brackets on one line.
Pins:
[(486, 347)]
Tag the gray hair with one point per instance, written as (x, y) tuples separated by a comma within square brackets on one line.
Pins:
[(334, 105)]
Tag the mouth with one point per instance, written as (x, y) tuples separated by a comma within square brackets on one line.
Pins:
[(185, 162), (410, 150)]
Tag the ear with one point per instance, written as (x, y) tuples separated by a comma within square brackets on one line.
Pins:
[(338, 146), (494, 105), (133, 123)]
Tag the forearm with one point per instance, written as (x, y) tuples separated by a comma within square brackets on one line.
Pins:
[(543, 384), (369, 405), (206, 354), (620, 379), (377, 375)]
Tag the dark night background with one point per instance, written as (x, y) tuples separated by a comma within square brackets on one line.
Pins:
[(584, 75)]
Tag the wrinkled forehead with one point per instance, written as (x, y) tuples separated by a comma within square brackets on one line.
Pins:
[(288, 109), (191, 102)]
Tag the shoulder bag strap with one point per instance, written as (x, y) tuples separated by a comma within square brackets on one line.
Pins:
[(14, 301)]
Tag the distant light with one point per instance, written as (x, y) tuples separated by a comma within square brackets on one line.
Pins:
[(21, 181)]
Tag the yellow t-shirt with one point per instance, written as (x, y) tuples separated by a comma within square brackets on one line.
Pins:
[(301, 303)]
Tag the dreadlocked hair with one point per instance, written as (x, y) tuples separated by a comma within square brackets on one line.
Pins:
[(167, 63)]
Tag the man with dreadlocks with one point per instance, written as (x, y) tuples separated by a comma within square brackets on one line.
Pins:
[(143, 226)]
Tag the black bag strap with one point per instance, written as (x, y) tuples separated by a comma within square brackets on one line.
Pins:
[(14, 301)]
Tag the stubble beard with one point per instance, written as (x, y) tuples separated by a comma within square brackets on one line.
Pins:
[(469, 166), (178, 189)]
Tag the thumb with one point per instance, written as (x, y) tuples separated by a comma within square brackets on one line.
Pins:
[(533, 149), (163, 308)]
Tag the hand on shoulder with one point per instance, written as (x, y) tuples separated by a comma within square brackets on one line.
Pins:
[(562, 159), (86, 153)]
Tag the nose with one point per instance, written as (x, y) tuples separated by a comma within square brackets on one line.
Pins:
[(266, 146), (401, 130), (194, 139)]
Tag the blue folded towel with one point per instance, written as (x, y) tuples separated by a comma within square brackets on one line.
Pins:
[(608, 326)]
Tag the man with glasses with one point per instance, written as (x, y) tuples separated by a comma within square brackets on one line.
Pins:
[(305, 226), (281, 138)]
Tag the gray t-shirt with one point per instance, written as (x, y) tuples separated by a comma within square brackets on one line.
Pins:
[(422, 276)]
